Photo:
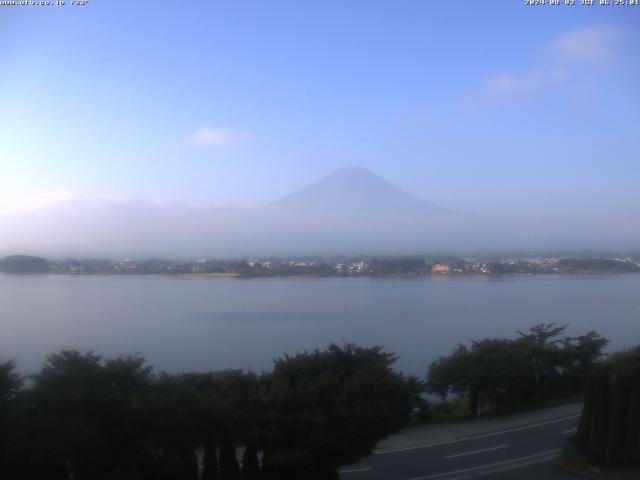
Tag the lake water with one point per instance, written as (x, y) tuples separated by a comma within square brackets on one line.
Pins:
[(194, 323)]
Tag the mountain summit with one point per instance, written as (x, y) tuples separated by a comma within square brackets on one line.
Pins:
[(355, 192)]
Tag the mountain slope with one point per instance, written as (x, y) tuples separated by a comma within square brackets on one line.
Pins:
[(356, 193)]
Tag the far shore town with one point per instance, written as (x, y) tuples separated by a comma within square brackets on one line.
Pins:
[(329, 266)]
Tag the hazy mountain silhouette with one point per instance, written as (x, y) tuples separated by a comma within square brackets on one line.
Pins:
[(351, 211), (356, 193)]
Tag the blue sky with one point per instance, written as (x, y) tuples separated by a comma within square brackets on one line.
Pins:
[(486, 106)]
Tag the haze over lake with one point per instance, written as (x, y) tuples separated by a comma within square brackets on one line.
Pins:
[(195, 323)]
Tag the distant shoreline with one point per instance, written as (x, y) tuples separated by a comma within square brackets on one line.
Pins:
[(239, 276), (319, 267)]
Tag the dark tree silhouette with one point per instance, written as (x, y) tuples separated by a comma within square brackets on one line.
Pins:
[(503, 374), (329, 408), (88, 412), (599, 424), (10, 383), (92, 418), (621, 390), (250, 463), (632, 443), (609, 432), (210, 461), (24, 264), (229, 468)]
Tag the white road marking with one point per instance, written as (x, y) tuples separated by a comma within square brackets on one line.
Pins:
[(466, 439), (566, 432), (489, 465), (354, 470), (477, 451)]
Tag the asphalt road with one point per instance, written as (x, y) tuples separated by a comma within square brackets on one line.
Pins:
[(476, 455)]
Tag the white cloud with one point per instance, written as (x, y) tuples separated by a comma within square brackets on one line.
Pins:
[(590, 45), (527, 82), (595, 44), (10, 204), (218, 137)]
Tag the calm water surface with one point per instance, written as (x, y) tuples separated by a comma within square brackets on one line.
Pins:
[(191, 323)]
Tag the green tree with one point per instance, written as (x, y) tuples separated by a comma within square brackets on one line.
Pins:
[(86, 413), (10, 382), (580, 356), (542, 347), (24, 264), (490, 372), (502, 374), (329, 408)]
